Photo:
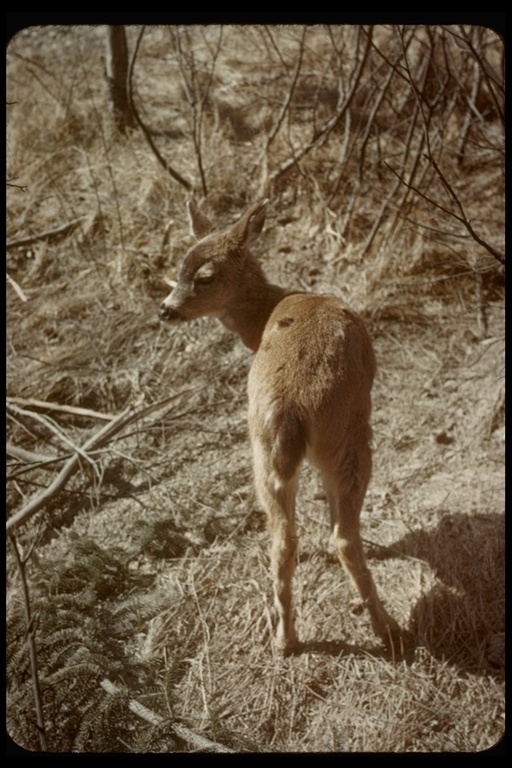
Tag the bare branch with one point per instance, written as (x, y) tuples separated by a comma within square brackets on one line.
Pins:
[(27, 456), (393, 66), (426, 112), (382, 90), (286, 103), (10, 183), (265, 30), (98, 440), (465, 43), (323, 132), (72, 409), (50, 424), (408, 143), (196, 93), (170, 170), (498, 255), (49, 233)]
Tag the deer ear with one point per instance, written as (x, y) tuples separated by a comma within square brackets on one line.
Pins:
[(248, 229), (200, 225)]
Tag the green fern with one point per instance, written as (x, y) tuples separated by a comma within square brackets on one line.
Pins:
[(76, 648)]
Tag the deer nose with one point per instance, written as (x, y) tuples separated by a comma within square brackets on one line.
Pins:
[(168, 313)]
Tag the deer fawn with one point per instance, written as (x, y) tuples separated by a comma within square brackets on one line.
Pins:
[(309, 396)]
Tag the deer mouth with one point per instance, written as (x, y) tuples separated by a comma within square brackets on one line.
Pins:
[(170, 315)]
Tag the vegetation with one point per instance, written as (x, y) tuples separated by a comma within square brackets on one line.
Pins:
[(139, 605)]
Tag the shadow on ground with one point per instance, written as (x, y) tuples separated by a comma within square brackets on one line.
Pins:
[(461, 617)]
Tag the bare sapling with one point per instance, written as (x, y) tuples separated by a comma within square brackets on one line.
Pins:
[(309, 397)]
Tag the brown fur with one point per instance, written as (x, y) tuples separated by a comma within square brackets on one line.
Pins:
[(309, 396)]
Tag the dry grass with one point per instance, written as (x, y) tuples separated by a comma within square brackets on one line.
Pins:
[(154, 574)]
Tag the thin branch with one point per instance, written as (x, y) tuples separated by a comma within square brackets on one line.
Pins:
[(266, 30), (10, 183), (50, 424), (29, 457), (195, 98), (31, 640), (418, 89), (392, 192), (404, 204), (489, 73), (215, 55), (49, 233), (395, 67), (170, 170), (321, 135), (73, 409), (98, 440), (291, 90), (40, 463), (498, 255), (381, 93), (461, 216)]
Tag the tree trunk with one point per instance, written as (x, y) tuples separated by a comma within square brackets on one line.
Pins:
[(117, 77)]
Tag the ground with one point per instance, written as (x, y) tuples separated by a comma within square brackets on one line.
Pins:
[(150, 568)]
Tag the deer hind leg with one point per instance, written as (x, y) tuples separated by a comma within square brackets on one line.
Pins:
[(346, 495), (276, 467)]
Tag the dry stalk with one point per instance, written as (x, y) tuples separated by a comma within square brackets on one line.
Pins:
[(31, 640), (16, 287)]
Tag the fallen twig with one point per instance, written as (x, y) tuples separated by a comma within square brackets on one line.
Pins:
[(16, 287), (200, 742), (43, 235), (49, 424), (98, 440), (75, 410), (28, 457)]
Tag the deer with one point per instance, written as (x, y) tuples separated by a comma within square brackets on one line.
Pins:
[(309, 393)]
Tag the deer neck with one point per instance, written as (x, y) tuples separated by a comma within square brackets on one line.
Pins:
[(248, 314)]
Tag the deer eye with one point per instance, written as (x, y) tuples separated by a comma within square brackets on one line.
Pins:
[(201, 280), (204, 279)]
